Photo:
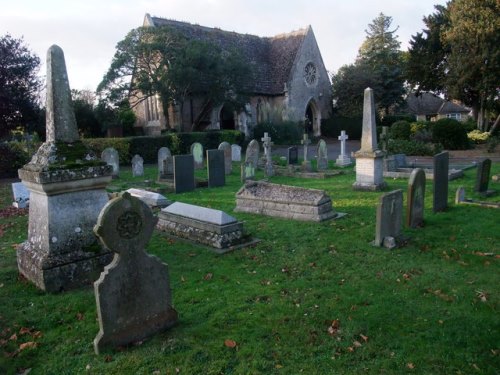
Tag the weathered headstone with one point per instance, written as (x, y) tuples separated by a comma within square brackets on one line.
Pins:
[(197, 152), (133, 295), (415, 199), (164, 154), (369, 159), (228, 164), (322, 152), (252, 153), (204, 225), (266, 142), (67, 191), (483, 176), (151, 198), (184, 173), (440, 185), (215, 168), (384, 138), (236, 153), (389, 219), (343, 159), (247, 171), (285, 201), (111, 157), (137, 166), (306, 164), (293, 155), (21, 195)]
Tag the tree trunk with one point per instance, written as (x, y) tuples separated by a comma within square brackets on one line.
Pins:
[(497, 121)]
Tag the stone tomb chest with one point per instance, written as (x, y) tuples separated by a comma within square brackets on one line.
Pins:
[(207, 226), (285, 201)]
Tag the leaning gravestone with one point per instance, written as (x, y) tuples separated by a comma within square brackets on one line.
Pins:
[(369, 159), (252, 153), (440, 185), (228, 164), (197, 152), (483, 176), (137, 166), (184, 173), (21, 195), (389, 219), (293, 155), (236, 153), (416, 195), (163, 154), (215, 168), (67, 191), (111, 157), (322, 152), (247, 171), (133, 295)]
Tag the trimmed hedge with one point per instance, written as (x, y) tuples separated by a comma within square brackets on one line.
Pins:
[(147, 146), (403, 146), (451, 134)]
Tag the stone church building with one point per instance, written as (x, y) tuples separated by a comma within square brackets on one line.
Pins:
[(290, 83)]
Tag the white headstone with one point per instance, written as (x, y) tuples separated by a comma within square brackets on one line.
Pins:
[(205, 214), (21, 195), (111, 157), (151, 198), (163, 154), (236, 152), (343, 159), (137, 166)]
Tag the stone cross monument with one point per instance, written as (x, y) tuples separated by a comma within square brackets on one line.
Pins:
[(369, 159), (306, 164), (67, 191), (266, 142), (343, 159)]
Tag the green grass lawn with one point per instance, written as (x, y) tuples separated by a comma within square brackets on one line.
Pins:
[(310, 298)]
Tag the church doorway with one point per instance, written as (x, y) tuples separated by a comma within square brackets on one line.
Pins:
[(227, 119), (312, 119)]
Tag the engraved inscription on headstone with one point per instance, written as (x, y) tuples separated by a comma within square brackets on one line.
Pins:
[(163, 154), (389, 219), (252, 153), (322, 153), (137, 166), (111, 157), (235, 152)]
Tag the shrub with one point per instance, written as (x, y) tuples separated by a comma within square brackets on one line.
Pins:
[(287, 132), (450, 133), (492, 144), (411, 147), (477, 136), (332, 126), (400, 130), (13, 158), (119, 144), (391, 119)]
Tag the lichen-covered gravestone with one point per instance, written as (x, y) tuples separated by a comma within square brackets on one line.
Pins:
[(111, 157), (306, 164), (416, 195), (322, 152), (252, 153), (67, 191), (133, 294), (163, 171), (266, 141), (137, 166), (197, 152), (389, 219), (247, 171), (228, 165), (483, 177)]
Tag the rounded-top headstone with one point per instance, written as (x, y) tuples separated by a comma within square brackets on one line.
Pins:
[(60, 117)]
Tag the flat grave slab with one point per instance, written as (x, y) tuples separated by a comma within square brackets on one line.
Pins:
[(151, 198)]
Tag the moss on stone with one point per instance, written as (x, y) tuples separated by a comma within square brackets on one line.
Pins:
[(73, 156)]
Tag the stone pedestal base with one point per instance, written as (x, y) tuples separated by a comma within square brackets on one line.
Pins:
[(306, 166), (369, 171), (343, 161)]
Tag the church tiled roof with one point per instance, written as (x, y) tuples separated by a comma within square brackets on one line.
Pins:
[(271, 58)]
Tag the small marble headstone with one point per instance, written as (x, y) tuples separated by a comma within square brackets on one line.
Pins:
[(215, 168), (440, 185), (163, 154), (247, 171), (197, 152), (389, 219), (137, 166), (21, 195), (235, 152), (483, 176), (228, 164), (415, 199), (111, 157), (322, 152), (293, 155), (252, 153), (184, 173), (133, 295)]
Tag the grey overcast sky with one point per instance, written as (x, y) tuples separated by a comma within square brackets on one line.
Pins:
[(88, 30)]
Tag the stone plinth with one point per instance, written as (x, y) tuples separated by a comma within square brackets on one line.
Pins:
[(61, 252), (369, 171), (204, 225), (285, 201)]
